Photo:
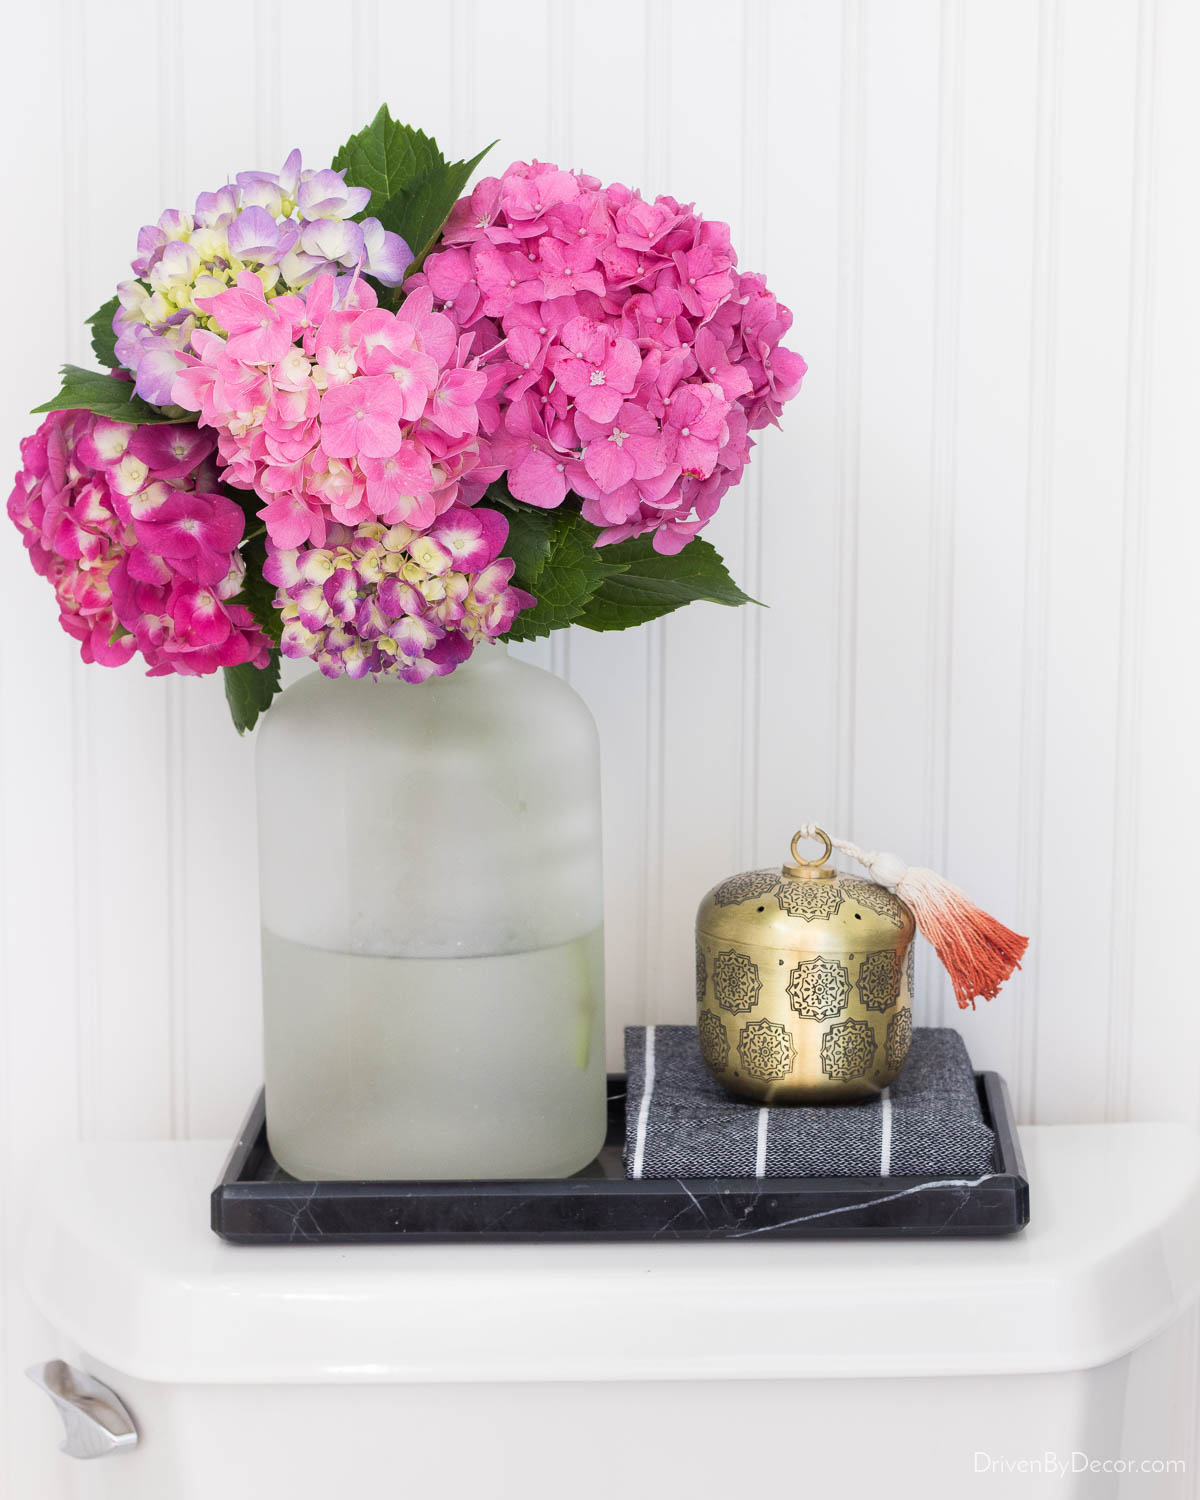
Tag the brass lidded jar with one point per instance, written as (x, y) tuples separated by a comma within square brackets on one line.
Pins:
[(804, 983)]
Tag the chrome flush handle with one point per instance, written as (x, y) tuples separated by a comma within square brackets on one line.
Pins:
[(95, 1420)]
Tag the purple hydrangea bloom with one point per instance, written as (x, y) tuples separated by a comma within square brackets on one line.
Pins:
[(287, 227), (387, 601), (255, 236)]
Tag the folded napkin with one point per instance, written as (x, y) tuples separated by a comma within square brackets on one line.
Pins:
[(680, 1122)]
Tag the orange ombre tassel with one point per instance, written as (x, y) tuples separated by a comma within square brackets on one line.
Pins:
[(977, 952)]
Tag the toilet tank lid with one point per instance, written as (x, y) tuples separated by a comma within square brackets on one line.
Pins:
[(1111, 1256)]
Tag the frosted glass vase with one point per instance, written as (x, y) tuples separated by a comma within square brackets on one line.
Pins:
[(432, 926)]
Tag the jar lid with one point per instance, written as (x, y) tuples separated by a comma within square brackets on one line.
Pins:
[(806, 905)]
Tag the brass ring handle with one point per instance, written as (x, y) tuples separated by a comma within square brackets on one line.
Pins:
[(817, 833)]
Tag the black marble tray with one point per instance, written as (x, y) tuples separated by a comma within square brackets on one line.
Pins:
[(257, 1203)]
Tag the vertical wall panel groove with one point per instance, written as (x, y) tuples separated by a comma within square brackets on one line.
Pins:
[(560, 28), (899, 56), (175, 815), (851, 129), (934, 986), (175, 747), (756, 45), (464, 45), (367, 59), (1039, 499), (987, 484), (266, 93), (658, 97), (1084, 515), (1127, 781), (797, 468), (86, 998)]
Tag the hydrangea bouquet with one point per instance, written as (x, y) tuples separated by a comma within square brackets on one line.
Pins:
[(344, 416)]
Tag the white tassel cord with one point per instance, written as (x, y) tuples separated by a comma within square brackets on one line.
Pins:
[(977, 952)]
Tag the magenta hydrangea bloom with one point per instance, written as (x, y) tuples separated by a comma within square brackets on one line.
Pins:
[(285, 227), (631, 359), (335, 410), (388, 601), (139, 541)]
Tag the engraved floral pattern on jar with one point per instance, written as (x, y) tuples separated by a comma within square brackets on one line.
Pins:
[(848, 1050), (899, 1038), (736, 982), (766, 1050), (812, 900), (879, 977), (819, 989), (876, 898), (714, 1041), (751, 886), (701, 974)]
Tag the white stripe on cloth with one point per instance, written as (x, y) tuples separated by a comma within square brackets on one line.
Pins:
[(639, 1147), (760, 1149), (885, 1134)]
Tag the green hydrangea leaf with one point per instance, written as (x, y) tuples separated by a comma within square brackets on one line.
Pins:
[(386, 156), (104, 340), (423, 207), (570, 572), (91, 390), (413, 186), (651, 584), (257, 594), (606, 588), (249, 691), (529, 531)]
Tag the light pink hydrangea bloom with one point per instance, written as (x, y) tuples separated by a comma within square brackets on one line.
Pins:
[(628, 359), (139, 540), (359, 428), (336, 410)]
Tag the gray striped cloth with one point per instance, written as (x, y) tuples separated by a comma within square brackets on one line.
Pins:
[(680, 1122)]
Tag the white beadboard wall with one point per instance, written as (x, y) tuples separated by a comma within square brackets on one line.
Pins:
[(976, 534)]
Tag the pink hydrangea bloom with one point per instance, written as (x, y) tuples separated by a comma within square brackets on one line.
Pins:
[(337, 411), (631, 358), (139, 540), (388, 601)]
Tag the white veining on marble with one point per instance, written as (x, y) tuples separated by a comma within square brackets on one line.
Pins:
[(850, 1208)]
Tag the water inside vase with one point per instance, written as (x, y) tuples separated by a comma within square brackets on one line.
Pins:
[(434, 1068)]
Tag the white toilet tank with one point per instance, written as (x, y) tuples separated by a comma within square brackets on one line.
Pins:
[(1056, 1362)]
